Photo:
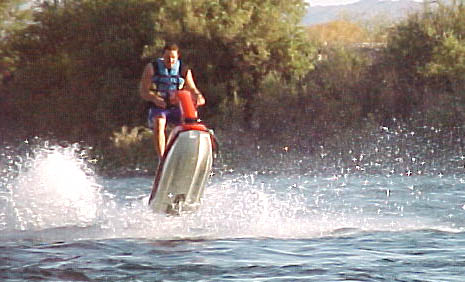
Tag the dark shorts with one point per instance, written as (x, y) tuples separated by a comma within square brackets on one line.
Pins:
[(172, 115)]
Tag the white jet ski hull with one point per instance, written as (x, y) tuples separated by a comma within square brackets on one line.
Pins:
[(183, 173)]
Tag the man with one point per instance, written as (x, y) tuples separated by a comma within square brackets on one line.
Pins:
[(167, 74)]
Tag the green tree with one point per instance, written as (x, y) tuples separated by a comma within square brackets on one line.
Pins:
[(447, 64), (79, 66), (426, 55), (237, 43), (79, 62), (339, 32), (14, 16)]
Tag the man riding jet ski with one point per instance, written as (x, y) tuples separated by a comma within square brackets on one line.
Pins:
[(160, 80), (186, 159)]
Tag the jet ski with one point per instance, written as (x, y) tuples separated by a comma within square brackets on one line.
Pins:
[(186, 165)]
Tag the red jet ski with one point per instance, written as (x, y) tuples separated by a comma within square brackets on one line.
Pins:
[(186, 164)]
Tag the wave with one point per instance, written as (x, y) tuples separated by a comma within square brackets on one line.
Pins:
[(53, 194)]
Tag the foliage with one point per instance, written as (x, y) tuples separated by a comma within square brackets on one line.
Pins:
[(410, 47), (377, 27), (237, 43), (12, 19), (86, 85), (427, 55), (448, 61), (339, 32), (447, 64), (336, 88), (79, 66)]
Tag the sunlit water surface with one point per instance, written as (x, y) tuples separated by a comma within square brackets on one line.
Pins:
[(392, 208)]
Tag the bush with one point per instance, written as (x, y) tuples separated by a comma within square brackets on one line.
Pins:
[(427, 55)]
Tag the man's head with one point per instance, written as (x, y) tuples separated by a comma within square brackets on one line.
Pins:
[(170, 54)]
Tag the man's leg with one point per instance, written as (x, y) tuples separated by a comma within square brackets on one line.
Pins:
[(159, 125)]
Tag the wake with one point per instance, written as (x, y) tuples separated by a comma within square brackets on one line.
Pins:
[(56, 196)]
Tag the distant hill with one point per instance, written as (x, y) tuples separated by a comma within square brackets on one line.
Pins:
[(362, 10)]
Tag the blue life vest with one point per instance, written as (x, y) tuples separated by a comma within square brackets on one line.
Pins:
[(167, 79)]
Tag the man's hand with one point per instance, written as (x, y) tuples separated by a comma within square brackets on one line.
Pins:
[(158, 100), (198, 99)]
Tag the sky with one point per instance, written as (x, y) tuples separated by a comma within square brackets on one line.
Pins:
[(314, 3)]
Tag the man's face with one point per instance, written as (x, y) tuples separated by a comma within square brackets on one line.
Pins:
[(170, 58)]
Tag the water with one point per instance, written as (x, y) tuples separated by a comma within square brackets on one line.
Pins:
[(391, 209)]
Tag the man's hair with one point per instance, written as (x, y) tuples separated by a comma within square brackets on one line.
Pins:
[(171, 47)]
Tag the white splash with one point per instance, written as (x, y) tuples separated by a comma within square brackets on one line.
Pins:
[(246, 207), (53, 189)]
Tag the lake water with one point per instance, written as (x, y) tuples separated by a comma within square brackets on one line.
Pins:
[(392, 209)]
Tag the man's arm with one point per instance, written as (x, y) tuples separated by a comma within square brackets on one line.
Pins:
[(190, 85), (146, 84)]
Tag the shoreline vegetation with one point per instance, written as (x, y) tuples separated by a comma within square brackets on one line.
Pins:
[(273, 87)]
